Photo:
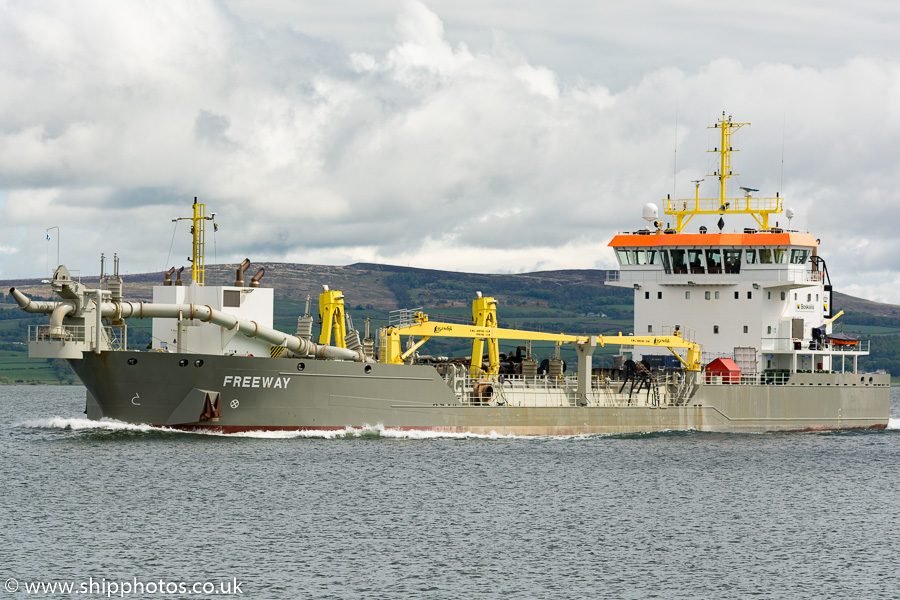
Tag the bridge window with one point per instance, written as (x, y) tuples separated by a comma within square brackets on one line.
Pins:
[(765, 256), (652, 257), (667, 266), (732, 261), (714, 260), (624, 256), (640, 257), (798, 256), (751, 257), (679, 266), (779, 256), (695, 258)]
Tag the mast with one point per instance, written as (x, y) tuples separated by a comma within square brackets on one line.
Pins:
[(685, 209), (198, 244), (727, 128)]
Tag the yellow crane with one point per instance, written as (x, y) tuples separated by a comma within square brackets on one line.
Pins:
[(333, 318), (484, 329)]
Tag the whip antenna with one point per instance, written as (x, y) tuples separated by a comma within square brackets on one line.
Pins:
[(675, 161), (783, 125)]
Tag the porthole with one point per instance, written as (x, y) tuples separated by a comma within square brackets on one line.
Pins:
[(368, 369), (300, 366), (132, 361), (183, 362), (198, 362)]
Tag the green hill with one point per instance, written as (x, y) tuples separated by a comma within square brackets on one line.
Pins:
[(571, 301)]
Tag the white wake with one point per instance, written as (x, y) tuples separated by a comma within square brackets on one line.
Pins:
[(75, 424), (81, 424)]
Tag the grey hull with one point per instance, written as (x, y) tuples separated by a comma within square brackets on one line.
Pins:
[(250, 393)]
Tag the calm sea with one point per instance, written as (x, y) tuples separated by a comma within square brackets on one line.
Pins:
[(126, 511)]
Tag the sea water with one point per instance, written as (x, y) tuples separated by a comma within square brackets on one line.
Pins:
[(116, 510)]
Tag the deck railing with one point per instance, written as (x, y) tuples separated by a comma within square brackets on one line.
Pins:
[(116, 335)]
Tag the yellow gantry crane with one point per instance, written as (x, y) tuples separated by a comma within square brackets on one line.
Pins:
[(485, 330), (333, 318)]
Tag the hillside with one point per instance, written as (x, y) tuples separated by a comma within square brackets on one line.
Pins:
[(574, 301)]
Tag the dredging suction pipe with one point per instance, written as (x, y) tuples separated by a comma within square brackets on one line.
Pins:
[(201, 312), (33, 306)]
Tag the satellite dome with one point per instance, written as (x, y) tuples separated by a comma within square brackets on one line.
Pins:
[(789, 213), (650, 212)]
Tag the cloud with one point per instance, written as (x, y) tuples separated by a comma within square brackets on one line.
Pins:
[(430, 152)]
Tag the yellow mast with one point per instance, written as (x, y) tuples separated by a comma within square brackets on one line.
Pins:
[(759, 208), (727, 128), (198, 234)]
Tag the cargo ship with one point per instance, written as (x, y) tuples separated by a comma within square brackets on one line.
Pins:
[(759, 300)]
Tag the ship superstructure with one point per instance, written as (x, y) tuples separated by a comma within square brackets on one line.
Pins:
[(760, 295)]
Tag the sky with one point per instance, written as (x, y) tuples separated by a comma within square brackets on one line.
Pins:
[(491, 136)]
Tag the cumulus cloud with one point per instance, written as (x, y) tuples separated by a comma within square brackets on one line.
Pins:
[(431, 152)]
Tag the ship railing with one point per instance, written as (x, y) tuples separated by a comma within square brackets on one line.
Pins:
[(403, 317), (669, 389), (474, 393), (116, 336), (794, 275), (713, 205), (767, 377), (67, 333), (861, 346), (788, 345), (673, 388), (613, 276), (687, 333)]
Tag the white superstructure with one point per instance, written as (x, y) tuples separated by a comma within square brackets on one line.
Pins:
[(248, 303), (762, 292)]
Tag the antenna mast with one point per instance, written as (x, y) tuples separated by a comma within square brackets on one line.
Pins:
[(759, 208), (675, 161), (198, 231), (728, 128)]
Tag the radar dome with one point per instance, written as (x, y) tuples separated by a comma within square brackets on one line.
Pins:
[(650, 212), (789, 213)]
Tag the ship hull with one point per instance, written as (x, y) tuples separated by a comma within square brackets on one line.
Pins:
[(232, 394)]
